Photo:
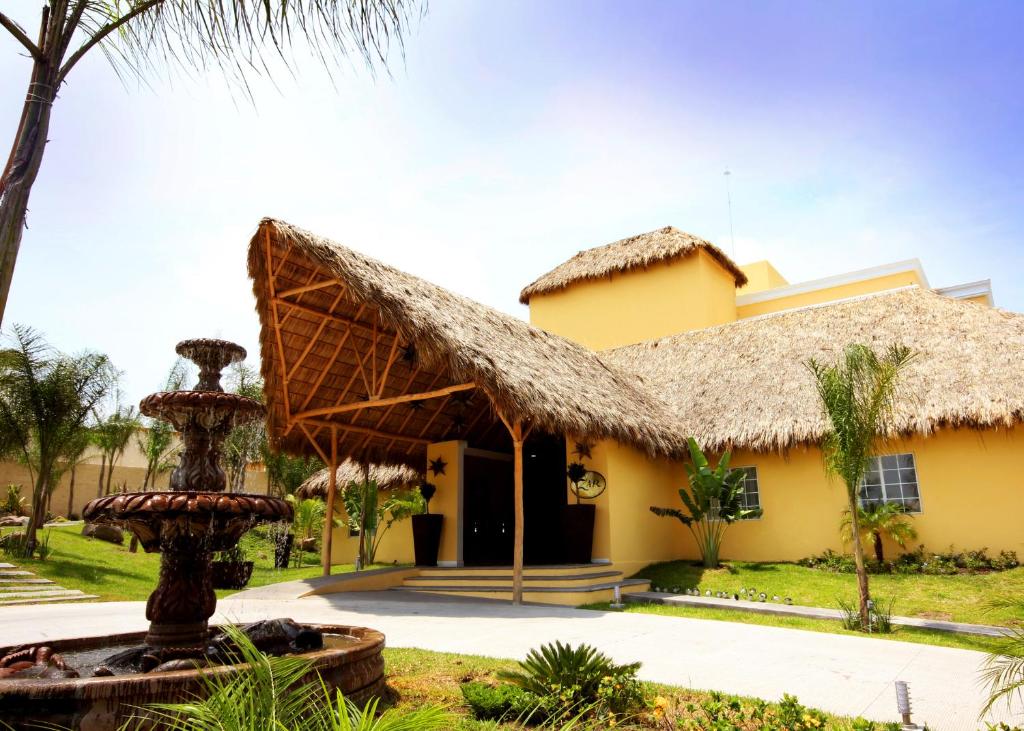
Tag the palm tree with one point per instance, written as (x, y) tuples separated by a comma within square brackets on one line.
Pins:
[(244, 443), (46, 398), (373, 517), (876, 519), (113, 435), (239, 38), (1004, 669), (857, 395), (74, 455)]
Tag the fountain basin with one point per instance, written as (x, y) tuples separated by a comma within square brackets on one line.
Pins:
[(106, 703)]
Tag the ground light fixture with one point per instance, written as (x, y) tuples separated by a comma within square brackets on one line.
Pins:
[(617, 601), (903, 706)]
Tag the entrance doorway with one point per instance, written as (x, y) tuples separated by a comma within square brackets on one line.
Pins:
[(489, 504)]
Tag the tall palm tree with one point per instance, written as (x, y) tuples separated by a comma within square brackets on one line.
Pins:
[(239, 38), (46, 398), (74, 455), (857, 394), (877, 519), (113, 435)]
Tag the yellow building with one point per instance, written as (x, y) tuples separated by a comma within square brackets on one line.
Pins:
[(631, 348)]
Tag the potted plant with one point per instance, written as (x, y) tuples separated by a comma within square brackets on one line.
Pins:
[(578, 519), (230, 570), (426, 530)]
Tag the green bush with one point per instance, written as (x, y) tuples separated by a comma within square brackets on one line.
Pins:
[(577, 679), (918, 561), (724, 712), (500, 702)]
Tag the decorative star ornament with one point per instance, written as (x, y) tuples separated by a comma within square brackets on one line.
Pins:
[(437, 466), (583, 449)]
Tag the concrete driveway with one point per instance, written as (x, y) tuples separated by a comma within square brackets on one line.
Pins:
[(847, 675)]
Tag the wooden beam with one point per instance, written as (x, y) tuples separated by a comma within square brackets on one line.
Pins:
[(327, 366), (312, 441), (317, 312), (308, 288), (271, 284), (387, 368), (391, 400), (519, 435), (332, 482), (360, 430), (313, 339)]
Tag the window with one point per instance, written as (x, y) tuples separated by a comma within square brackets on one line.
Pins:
[(892, 479), (750, 498)]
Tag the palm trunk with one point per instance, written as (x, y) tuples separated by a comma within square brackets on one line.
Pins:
[(858, 559), (71, 494), (23, 166), (103, 467), (110, 475), (876, 537), (38, 515)]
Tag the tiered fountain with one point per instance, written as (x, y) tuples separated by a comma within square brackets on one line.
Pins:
[(97, 684)]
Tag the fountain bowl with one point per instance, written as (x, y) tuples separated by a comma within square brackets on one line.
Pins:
[(106, 703)]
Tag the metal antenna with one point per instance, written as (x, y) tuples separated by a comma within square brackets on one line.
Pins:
[(728, 198)]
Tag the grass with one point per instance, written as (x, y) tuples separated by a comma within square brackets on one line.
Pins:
[(957, 598), (420, 677), (113, 573)]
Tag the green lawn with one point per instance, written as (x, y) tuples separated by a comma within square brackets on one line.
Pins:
[(113, 573), (958, 598), (420, 677)]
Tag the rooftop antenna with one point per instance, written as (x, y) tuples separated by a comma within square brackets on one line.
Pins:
[(728, 198)]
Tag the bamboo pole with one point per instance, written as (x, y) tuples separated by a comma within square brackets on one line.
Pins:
[(332, 483), (517, 554)]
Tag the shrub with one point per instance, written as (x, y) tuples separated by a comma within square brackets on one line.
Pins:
[(14, 503), (578, 678), (500, 702), (918, 561)]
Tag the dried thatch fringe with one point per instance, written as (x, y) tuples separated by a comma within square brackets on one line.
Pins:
[(744, 384), (635, 252), (387, 477)]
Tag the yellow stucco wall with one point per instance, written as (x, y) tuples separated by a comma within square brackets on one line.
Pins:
[(972, 496), (447, 501), (829, 294), (663, 299), (761, 275), (395, 546)]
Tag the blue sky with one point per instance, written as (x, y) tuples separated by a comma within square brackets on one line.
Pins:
[(515, 134)]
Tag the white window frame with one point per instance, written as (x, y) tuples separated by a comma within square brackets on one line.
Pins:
[(885, 492), (757, 483)]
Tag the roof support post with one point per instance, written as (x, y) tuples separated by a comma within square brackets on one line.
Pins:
[(332, 484), (519, 435)]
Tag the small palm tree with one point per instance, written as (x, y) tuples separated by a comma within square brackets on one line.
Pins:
[(46, 398), (876, 519), (1004, 670), (715, 502), (373, 517), (858, 394)]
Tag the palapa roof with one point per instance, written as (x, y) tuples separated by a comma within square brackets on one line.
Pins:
[(635, 252), (336, 325), (387, 477), (744, 384)]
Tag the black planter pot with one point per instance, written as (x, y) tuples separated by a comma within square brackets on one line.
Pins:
[(578, 530), (231, 574), (426, 538)]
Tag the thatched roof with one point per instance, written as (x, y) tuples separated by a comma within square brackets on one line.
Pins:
[(636, 252), (745, 384), (322, 306), (387, 477)]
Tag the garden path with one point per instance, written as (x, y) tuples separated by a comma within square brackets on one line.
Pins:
[(838, 673), (23, 587)]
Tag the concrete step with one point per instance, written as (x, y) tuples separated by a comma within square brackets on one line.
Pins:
[(563, 580), (18, 581), (77, 598), (5, 573), (563, 595), (29, 585), (556, 570), (7, 566), (56, 591)]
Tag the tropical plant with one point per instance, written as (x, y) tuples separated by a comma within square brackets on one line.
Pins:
[(75, 454), (1004, 669), (46, 398), (373, 517), (713, 503), (858, 394), (245, 443), (275, 693), (876, 519), (286, 473), (308, 520), (239, 38), (576, 472), (112, 436), (427, 491), (14, 503), (157, 443), (578, 677)]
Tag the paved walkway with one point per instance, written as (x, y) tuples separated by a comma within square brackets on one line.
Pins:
[(848, 675)]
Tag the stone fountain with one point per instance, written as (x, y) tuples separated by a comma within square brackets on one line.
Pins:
[(186, 525)]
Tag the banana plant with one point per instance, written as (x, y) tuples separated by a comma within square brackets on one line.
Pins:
[(713, 503)]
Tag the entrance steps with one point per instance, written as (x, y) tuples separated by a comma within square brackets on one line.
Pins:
[(568, 585)]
